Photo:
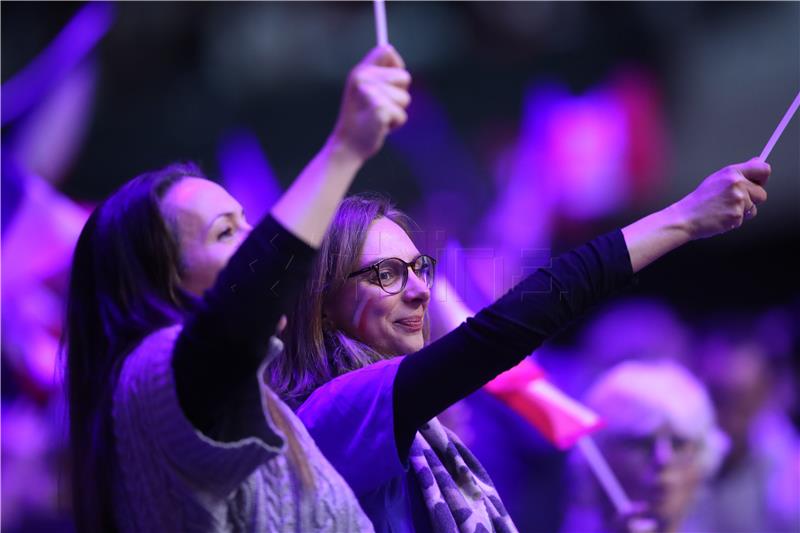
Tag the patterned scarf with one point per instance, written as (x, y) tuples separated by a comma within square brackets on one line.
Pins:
[(457, 491)]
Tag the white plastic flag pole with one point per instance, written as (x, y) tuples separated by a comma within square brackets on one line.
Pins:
[(605, 476), (782, 126), (380, 22)]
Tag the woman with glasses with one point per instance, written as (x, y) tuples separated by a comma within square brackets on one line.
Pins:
[(369, 386), (173, 304)]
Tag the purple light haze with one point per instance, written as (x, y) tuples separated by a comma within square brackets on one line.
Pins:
[(246, 173), (69, 48)]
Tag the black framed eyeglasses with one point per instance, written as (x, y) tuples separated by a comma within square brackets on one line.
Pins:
[(391, 274)]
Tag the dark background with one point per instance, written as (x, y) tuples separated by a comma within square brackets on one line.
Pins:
[(175, 77)]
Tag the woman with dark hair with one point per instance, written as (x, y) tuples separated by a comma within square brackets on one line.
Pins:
[(174, 301), (372, 410)]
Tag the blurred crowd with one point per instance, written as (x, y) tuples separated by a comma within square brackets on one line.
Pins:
[(700, 413)]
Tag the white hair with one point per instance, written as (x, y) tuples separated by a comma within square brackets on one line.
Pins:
[(638, 397)]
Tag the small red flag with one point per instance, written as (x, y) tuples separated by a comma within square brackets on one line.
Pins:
[(558, 417)]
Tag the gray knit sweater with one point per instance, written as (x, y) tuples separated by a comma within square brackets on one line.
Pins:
[(172, 478)]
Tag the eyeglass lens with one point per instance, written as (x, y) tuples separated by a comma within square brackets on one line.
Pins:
[(393, 273)]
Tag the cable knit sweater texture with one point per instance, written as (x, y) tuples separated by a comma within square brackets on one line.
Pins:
[(171, 477)]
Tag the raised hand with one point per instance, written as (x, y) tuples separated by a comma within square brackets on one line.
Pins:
[(725, 199), (374, 102), (720, 203)]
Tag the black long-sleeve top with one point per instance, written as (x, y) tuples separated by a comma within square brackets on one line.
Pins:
[(239, 314), (499, 336)]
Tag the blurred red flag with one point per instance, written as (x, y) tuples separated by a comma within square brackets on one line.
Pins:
[(558, 417)]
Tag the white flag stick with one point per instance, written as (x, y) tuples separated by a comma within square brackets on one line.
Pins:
[(605, 476), (782, 126), (380, 23)]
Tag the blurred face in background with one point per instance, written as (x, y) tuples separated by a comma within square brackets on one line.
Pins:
[(660, 469), (661, 438), (739, 382)]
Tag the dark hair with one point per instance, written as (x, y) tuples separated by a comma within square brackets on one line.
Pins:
[(124, 285), (316, 353)]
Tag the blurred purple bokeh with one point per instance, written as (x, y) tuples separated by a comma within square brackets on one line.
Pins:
[(533, 127)]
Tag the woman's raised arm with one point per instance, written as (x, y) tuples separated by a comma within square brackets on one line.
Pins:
[(722, 202), (503, 333), (373, 104), (225, 340)]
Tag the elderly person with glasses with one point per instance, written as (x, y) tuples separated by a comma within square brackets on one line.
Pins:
[(662, 440)]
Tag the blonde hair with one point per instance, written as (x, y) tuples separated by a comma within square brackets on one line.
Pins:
[(296, 455)]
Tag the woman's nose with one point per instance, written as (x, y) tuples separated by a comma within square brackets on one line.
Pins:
[(416, 288)]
